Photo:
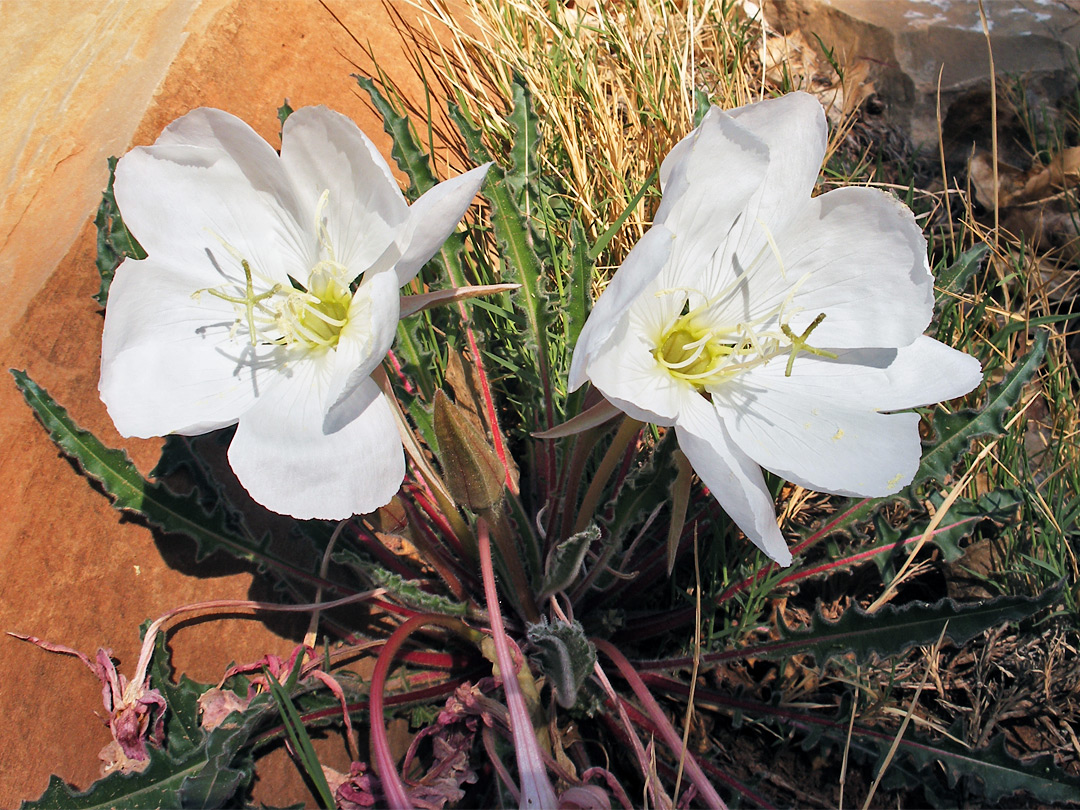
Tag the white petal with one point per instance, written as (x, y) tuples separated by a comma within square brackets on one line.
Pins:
[(857, 255), (641, 266), (706, 193), (734, 479), (366, 338), (626, 372), (680, 152), (168, 363), (793, 127), (290, 464), (432, 219), (324, 151), (181, 199), (831, 443), (882, 379)]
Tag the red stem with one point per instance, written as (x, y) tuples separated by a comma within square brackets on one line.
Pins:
[(536, 789), (667, 732), (391, 782), (489, 401)]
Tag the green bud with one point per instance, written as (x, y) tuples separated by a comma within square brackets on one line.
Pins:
[(472, 470)]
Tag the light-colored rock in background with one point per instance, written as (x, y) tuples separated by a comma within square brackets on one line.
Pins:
[(84, 79), (77, 79), (906, 43)]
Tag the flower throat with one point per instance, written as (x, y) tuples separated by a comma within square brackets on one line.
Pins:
[(704, 354), (309, 317)]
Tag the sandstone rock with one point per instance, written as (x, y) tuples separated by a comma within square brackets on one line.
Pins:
[(906, 43), (72, 570)]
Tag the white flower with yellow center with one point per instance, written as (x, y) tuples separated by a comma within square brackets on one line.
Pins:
[(772, 329), (268, 296)]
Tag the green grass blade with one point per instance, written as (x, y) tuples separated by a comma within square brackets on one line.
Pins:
[(298, 736)]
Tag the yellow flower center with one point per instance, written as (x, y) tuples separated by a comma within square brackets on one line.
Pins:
[(310, 317), (700, 349), (703, 354)]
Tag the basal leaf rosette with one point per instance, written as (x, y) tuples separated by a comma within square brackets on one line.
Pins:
[(268, 296), (771, 328)]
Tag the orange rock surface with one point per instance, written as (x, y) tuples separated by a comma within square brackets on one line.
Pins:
[(73, 570)]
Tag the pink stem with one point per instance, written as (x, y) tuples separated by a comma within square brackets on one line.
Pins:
[(393, 787), (536, 790), (667, 732)]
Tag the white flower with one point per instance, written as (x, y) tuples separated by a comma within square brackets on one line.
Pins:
[(771, 328), (268, 297)]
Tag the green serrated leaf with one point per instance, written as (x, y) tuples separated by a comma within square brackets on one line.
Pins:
[(645, 489), (892, 630), (955, 431), (162, 508), (227, 767), (953, 280), (157, 786), (1001, 506), (523, 162), (999, 774), (183, 733), (565, 655), (965, 514), (283, 113), (410, 593), (407, 151), (114, 241), (209, 776), (701, 106), (516, 240), (577, 297)]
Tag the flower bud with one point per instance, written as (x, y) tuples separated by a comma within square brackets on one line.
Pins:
[(473, 472)]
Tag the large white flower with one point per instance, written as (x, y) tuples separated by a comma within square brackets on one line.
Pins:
[(268, 296), (772, 328)]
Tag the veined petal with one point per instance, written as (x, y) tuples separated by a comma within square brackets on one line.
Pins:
[(680, 152), (857, 255), (626, 372), (321, 151), (925, 372), (175, 368), (641, 266), (794, 129), (366, 338), (734, 479), (701, 211), (208, 178), (432, 219), (290, 464), (819, 442)]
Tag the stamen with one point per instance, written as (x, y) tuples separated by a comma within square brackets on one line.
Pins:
[(320, 226), (775, 249), (285, 315)]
